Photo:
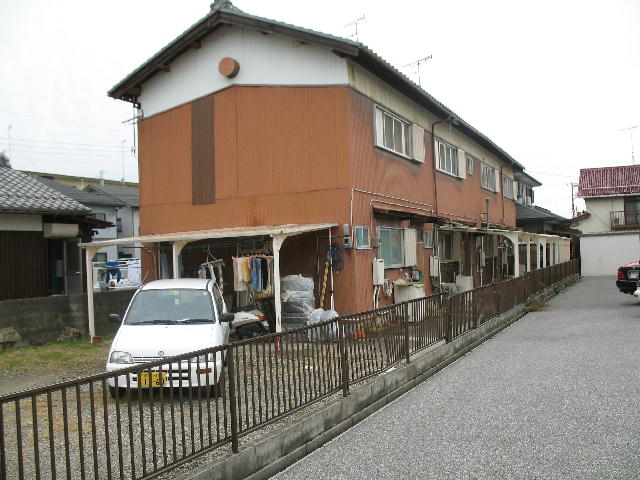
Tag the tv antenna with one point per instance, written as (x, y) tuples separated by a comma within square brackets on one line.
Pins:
[(417, 63), (355, 27), (630, 129)]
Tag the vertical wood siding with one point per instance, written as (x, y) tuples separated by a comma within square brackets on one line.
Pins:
[(23, 259)]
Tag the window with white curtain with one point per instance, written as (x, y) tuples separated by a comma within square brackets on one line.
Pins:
[(507, 184), (447, 158), (488, 177), (393, 133)]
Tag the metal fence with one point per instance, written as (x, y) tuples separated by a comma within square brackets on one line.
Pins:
[(102, 427)]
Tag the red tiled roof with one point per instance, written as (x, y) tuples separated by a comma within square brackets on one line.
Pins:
[(609, 181)]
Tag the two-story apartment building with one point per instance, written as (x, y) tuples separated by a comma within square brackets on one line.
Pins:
[(253, 127), (611, 221)]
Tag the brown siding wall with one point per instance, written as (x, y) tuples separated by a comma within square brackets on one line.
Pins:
[(23, 256), (281, 157)]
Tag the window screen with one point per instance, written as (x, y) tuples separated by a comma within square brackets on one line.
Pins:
[(391, 246)]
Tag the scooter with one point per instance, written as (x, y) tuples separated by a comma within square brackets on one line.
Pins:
[(249, 324)]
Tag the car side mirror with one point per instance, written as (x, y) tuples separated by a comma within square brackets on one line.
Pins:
[(227, 317), (115, 318)]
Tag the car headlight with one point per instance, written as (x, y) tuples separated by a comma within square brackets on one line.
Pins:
[(121, 357)]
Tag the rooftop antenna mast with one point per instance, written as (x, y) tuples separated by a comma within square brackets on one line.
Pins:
[(417, 63), (355, 26), (630, 129)]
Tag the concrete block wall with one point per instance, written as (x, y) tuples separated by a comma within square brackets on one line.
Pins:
[(43, 319)]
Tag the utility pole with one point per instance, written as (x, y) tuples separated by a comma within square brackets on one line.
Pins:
[(123, 142), (573, 205), (630, 129), (9, 135)]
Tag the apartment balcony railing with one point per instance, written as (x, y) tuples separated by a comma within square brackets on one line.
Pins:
[(625, 219)]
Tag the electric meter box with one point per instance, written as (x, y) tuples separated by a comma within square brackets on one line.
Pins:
[(378, 271)]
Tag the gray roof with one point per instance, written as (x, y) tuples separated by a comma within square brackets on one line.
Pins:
[(224, 13), (22, 193), (127, 195), (86, 198), (526, 213)]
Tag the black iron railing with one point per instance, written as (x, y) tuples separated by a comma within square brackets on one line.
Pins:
[(102, 427)]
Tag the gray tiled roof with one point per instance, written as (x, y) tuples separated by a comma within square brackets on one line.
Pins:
[(126, 195), (89, 199), (22, 193), (533, 213)]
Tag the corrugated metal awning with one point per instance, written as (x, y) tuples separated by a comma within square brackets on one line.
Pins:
[(232, 232), (496, 231)]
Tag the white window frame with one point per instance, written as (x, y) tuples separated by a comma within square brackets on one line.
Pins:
[(449, 153), (381, 122), (470, 165), (355, 237), (507, 186), (402, 260), (442, 247), (487, 172), (427, 238)]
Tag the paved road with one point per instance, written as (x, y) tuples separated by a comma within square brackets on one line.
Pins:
[(555, 396)]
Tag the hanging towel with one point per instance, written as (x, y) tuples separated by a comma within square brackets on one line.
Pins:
[(264, 266), (238, 275), (256, 275), (246, 269), (270, 275)]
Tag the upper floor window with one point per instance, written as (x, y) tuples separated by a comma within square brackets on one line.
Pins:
[(447, 158), (507, 185), (469, 165), (488, 177), (393, 133)]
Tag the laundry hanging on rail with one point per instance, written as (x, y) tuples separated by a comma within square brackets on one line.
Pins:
[(254, 273)]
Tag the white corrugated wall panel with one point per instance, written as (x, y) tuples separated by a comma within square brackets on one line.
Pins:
[(603, 254)]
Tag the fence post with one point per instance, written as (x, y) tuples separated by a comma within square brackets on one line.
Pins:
[(474, 309), (497, 299), (233, 412), (344, 358), (406, 332), (449, 318)]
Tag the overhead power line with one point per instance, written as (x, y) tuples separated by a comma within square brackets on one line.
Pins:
[(60, 121), (32, 140)]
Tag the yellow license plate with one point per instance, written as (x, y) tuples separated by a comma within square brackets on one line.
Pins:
[(156, 379)]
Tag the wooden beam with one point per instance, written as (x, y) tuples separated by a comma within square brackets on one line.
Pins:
[(164, 67), (196, 44), (134, 91)]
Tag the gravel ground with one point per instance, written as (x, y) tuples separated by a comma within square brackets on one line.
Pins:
[(198, 421), (555, 396)]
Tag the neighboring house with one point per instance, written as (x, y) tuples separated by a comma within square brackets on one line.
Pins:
[(532, 218), (79, 182), (610, 224), (255, 125), (117, 206), (40, 229)]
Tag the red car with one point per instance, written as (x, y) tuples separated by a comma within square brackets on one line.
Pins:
[(628, 277)]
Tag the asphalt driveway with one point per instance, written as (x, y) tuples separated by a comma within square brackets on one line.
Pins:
[(555, 396)]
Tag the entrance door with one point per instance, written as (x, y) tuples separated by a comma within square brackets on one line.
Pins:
[(72, 266)]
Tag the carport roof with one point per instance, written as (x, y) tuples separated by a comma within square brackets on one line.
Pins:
[(231, 232)]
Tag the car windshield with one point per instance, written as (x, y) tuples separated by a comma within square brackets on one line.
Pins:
[(170, 307)]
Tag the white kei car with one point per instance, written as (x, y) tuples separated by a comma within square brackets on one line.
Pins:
[(167, 318)]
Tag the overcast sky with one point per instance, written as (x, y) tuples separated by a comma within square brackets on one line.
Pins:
[(551, 82)]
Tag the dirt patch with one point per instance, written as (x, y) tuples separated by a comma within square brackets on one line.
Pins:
[(34, 366)]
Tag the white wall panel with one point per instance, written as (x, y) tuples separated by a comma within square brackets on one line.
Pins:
[(20, 222), (603, 254), (264, 60)]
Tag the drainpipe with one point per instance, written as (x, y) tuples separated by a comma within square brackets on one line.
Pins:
[(488, 200)]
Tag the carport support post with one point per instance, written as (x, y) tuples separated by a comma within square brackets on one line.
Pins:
[(528, 254), (177, 247), (89, 252), (515, 240), (277, 241)]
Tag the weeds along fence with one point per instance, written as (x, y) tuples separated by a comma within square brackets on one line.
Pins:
[(117, 425)]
